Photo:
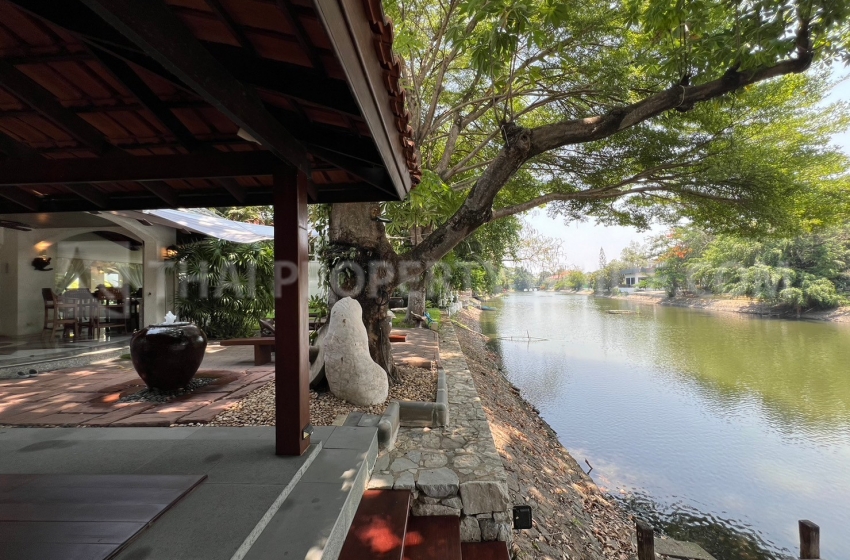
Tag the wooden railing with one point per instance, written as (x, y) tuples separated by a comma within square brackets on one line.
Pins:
[(809, 540)]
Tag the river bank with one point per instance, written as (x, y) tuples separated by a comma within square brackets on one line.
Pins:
[(736, 305), (573, 518)]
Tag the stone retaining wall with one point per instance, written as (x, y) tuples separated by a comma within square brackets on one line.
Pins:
[(452, 470)]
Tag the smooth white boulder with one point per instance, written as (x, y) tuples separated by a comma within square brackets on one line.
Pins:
[(352, 374)]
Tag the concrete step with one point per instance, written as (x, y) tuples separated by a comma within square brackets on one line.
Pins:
[(379, 527), (432, 538), (315, 518), (492, 550)]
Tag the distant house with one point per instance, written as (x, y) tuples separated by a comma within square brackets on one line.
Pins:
[(633, 276)]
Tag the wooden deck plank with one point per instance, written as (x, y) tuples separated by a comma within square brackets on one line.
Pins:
[(491, 550), (104, 496), (432, 538), (378, 529), (81, 517), (80, 512), (68, 532), (54, 551)]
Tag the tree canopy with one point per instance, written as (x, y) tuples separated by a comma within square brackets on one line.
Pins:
[(626, 113)]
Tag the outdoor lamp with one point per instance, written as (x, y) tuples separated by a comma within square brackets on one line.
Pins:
[(41, 263)]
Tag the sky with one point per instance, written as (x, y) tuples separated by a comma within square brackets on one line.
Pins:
[(582, 240)]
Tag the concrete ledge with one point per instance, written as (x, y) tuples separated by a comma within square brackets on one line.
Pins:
[(419, 414), (61, 362), (388, 426)]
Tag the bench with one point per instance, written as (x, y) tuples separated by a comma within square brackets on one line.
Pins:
[(263, 346)]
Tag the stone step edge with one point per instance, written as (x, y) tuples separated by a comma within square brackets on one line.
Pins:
[(276, 505), (62, 362)]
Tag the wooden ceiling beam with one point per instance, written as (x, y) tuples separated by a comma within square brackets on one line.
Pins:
[(31, 93), (90, 193), (288, 79), (232, 27), (21, 197), (152, 26), (140, 168), (122, 72), (163, 192), (300, 35)]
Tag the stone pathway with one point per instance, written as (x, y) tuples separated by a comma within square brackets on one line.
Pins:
[(90, 396), (454, 470), (419, 350)]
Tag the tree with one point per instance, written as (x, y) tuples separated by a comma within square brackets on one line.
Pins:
[(575, 280), (627, 113), (672, 253), (523, 279), (809, 270)]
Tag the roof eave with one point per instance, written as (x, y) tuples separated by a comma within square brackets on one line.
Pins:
[(347, 25)]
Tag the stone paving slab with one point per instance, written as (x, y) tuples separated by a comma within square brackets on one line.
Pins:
[(89, 396)]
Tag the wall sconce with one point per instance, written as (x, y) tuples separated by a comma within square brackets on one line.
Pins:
[(169, 252), (41, 264)]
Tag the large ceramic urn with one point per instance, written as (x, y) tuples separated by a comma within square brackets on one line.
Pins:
[(167, 356)]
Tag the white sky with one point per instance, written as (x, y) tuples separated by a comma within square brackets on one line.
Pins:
[(582, 240)]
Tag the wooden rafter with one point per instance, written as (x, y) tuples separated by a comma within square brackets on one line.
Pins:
[(301, 35), (232, 27), (152, 26), (140, 168), (90, 193), (28, 91)]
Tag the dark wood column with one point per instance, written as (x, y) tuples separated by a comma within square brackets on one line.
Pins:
[(292, 365)]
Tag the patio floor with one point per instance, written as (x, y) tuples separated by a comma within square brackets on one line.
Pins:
[(252, 504), (89, 396)]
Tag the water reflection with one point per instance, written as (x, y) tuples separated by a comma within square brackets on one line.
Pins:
[(745, 419)]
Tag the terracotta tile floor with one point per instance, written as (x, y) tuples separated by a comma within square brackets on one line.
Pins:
[(88, 396)]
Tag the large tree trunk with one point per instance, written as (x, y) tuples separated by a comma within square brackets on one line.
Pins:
[(416, 298), (356, 236)]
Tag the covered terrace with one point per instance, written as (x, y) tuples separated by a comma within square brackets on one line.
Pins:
[(120, 105)]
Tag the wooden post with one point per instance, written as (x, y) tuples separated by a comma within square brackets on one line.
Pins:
[(292, 365), (645, 540), (809, 540)]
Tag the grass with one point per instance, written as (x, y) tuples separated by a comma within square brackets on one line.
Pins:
[(435, 313)]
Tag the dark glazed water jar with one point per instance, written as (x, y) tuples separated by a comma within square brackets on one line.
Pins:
[(167, 357)]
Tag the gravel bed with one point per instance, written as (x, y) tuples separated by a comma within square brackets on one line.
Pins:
[(257, 408), (157, 396)]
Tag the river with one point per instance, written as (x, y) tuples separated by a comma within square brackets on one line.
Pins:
[(719, 428)]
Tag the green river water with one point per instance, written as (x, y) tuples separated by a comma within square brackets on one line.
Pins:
[(719, 428)]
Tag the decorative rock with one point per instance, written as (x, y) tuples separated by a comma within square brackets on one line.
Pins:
[(352, 374), (425, 510), (438, 483), (484, 497), (405, 482), (469, 530)]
